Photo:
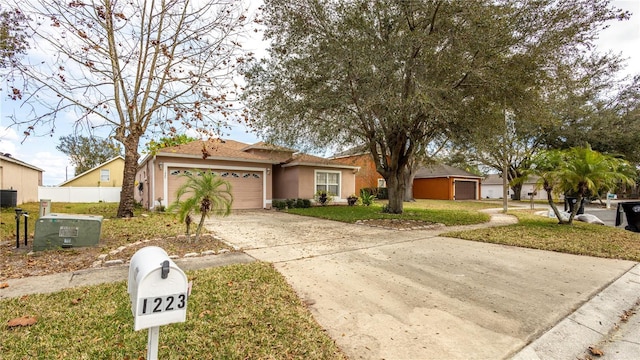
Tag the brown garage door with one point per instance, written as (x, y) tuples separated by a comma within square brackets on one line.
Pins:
[(465, 190), (246, 186)]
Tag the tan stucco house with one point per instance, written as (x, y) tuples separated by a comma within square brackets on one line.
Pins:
[(258, 173), (21, 177), (107, 174)]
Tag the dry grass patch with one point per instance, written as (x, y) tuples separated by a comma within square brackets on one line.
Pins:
[(538, 232)]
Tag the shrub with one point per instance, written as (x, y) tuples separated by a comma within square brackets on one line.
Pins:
[(367, 198), (352, 200), (279, 204), (290, 203), (382, 193), (323, 198)]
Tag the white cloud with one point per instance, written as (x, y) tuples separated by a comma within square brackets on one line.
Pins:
[(56, 166), (8, 139), (623, 37)]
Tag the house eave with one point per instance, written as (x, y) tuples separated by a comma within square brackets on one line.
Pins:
[(335, 166), (220, 158)]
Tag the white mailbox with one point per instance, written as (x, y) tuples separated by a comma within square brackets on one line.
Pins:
[(158, 289)]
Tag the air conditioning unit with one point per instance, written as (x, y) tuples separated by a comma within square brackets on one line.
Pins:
[(56, 231)]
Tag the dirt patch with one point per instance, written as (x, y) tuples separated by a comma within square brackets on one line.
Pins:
[(23, 262)]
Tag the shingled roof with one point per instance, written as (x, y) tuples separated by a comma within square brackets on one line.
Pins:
[(441, 170), (222, 149)]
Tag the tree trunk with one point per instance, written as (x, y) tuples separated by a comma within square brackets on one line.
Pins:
[(395, 186), (127, 200), (408, 184), (517, 191), (199, 228)]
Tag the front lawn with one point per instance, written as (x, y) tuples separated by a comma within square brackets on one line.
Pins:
[(235, 312), (449, 213), (540, 232)]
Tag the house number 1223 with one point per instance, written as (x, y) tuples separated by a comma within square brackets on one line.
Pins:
[(160, 304)]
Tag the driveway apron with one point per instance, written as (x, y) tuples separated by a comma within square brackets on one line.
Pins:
[(390, 294)]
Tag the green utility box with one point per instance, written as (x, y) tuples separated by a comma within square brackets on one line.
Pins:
[(55, 231)]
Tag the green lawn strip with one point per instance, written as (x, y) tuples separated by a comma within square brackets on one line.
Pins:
[(539, 232), (351, 214), (236, 312)]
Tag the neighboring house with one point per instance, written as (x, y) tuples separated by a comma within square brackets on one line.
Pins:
[(258, 173), (367, 176), (107, 174), (444, 182), (492, 188), (21, 177)]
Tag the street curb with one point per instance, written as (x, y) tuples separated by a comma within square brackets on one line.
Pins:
[(588, 326)]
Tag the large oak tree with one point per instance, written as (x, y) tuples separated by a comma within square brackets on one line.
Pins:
[(131, 66), (389, 74)]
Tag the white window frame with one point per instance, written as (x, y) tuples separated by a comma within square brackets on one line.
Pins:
[(382, 183), (316, 184), (102, 175)]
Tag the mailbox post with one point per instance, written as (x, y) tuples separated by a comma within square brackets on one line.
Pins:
[(158, 290)]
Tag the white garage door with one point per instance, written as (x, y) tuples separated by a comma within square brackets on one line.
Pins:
[(246, 186)]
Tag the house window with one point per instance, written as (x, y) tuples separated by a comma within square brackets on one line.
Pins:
[(382, 183), (104, 175), (328, 181)]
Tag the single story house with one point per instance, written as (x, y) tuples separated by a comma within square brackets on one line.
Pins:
[(258, 173), (107, 174), (492, 188), (444, 182), (19, 181)]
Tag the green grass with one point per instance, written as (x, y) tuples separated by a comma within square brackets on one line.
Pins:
[(430, 211), (116, 230), (234, 312), (539, 232)]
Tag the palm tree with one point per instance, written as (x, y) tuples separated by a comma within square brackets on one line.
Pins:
[(581, 170), (203, 193), (546, 164), (587, 171)]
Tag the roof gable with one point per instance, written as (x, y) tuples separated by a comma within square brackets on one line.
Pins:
[(11, 159), (92, 169)]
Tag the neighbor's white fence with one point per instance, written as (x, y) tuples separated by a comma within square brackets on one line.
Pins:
[(79, 194)]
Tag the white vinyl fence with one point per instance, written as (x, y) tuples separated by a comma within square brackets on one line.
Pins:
[(79, 194)]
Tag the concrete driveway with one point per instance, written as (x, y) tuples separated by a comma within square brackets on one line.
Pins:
[(389, 294)]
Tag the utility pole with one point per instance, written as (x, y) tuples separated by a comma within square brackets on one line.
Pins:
[(505, 164)]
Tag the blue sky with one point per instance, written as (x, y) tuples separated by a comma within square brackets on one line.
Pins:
[(621, 37)]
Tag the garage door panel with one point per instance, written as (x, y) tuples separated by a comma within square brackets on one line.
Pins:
[(465, 190), (246, 186)]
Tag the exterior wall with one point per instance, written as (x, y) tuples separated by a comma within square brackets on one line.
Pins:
[(300, 182), (92, 178), (21, 178), (286, 183), (144, 185), (367, 176), (494, 191), (435, 188)]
